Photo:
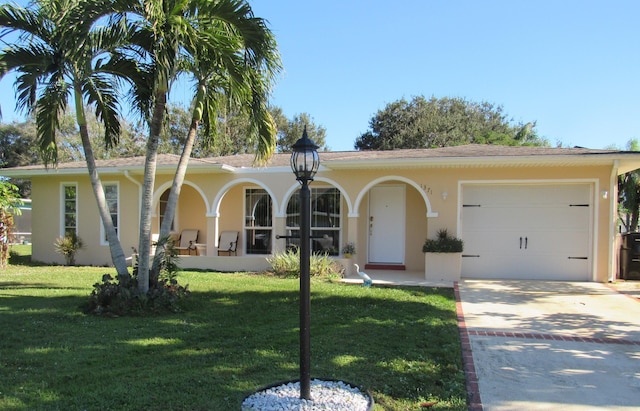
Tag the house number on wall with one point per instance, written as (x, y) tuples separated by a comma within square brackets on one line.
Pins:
[(425, 188)]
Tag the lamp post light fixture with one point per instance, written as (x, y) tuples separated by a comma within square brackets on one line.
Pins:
[(304, 163)]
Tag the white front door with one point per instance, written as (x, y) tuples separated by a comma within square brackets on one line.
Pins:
[(387, 224)]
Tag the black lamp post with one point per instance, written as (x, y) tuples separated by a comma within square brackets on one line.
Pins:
[(304, 163)]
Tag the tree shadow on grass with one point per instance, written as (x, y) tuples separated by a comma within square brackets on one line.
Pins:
[(402, 344)]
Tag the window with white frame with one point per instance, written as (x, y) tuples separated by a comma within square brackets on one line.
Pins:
[(326, 224), (257, 221), (111, 195), (69, 209)]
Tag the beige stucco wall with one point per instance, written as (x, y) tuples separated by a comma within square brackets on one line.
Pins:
[(199, 207), (47, 215)]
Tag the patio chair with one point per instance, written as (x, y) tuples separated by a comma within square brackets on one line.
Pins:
[(188, 240), (228, 242)]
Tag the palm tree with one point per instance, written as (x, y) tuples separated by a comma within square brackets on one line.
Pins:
[(214, 89), (60, 54), (229, 49)]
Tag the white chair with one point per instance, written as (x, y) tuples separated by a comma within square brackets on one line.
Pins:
[(188, 239), (228, 242)]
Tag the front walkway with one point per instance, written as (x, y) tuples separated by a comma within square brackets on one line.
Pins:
[(397, 277)]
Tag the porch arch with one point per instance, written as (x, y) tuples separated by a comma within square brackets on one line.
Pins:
[(162, 188), (282, 212), (365, 190), (215, 207)]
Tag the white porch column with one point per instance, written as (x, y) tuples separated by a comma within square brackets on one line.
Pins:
[(360, 257), (279, 228), (212, 234)]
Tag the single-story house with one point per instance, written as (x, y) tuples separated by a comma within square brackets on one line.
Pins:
[(523, 212)]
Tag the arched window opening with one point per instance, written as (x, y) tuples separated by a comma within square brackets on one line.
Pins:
[(326, 222), (258, 221)]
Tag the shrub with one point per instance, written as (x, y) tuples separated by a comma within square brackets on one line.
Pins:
[(168, 259), (113, 298), (444, 243), (287, 264), (68, 246)]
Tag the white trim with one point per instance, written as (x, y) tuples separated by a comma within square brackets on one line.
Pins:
[(103, 240), (62, 226), (245, 228), (215, 205), (282, 212), (167, 186), (365, 190)]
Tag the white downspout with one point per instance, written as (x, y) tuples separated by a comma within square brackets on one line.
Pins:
[(139, 184)]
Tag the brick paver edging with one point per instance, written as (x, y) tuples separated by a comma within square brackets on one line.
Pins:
[(473, 390), (554, 337)]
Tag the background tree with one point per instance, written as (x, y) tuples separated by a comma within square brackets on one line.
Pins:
[(232, 133), (290, 130), (18, 148), (440, 122), (9, 206), (629, 195)]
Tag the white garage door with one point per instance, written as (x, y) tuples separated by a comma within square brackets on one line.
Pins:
[(527, 231)]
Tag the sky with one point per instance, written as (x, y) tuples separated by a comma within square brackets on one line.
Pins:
[(572, 66)]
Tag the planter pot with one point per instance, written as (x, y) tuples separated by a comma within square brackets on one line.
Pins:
[(346, 264), (442, 266)]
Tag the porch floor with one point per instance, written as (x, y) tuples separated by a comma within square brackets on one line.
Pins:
[(395, 277)]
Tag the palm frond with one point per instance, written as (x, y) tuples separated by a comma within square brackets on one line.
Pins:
[(32, 64), (26, 22), (49, 107), (102, 92)]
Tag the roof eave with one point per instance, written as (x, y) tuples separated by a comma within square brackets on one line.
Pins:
[(103, 171), (490, 161)]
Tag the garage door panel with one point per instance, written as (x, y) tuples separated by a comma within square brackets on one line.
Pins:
[(527, 231), (478, 242), (533, 194), (525, 217), (502, 267), (563, 243)]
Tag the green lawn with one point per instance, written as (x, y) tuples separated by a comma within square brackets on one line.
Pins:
[(238, 332)]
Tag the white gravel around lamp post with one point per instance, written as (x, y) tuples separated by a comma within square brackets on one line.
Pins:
[(325, 395)]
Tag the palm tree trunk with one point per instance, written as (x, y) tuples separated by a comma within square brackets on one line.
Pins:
[(144, 241), (178, 178), (115, 247), (174, 194)]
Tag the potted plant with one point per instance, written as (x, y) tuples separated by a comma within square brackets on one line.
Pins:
[(348, 250), (443, 257)]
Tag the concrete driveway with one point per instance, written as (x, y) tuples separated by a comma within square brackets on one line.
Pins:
[(540, 345)]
